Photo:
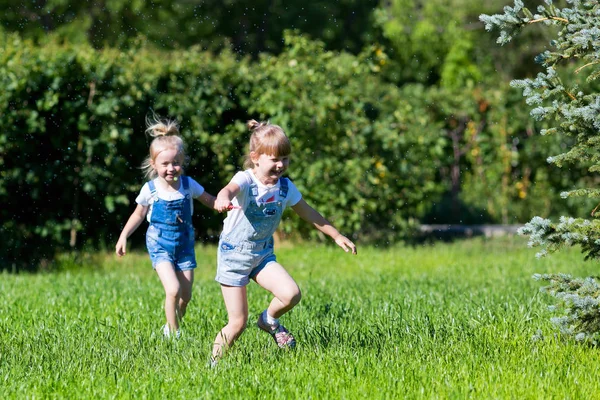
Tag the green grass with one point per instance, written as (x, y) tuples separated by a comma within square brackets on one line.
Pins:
[(442, 321)]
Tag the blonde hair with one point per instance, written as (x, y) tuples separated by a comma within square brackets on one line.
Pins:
[(166, 136), (267, 139)]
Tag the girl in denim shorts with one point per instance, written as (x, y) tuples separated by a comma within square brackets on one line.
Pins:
[(166, 202), (255, 200)]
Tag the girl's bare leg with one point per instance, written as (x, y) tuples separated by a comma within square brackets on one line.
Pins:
[(236, 303), (286, 292), (168, 278), (186, 280)]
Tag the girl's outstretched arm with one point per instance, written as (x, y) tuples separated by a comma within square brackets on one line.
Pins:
[(136, 218), (208, 200), (225, 195), (311, 215)]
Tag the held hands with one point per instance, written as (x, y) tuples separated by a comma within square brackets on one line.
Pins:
[(345, 243), (223, 204)]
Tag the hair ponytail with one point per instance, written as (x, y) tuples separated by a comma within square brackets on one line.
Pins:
[(157, 127), (254, 125)]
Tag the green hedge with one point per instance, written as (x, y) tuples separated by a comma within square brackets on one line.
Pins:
[(372, 157), (73, 137)]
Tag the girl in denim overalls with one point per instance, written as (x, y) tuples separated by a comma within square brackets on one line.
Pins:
[(255, 200), (166, 202)]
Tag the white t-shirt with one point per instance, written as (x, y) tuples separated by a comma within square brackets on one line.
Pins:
[(266, 194), (145, 197)]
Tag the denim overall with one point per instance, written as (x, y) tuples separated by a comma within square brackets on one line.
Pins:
[(170, 236), (248, 248)]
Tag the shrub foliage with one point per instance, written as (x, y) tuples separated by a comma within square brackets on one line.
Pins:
[(375, 157), (73, 138)]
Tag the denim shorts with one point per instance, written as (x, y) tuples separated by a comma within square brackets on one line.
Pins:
[(237, 263), (175, 247)]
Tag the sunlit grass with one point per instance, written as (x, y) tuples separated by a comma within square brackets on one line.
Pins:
[(434, 321)]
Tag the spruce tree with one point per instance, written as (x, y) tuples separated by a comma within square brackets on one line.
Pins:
[(572, 110)]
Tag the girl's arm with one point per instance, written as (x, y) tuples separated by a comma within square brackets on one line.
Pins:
[(134, 221), (311, 215), (207, 199), (224, 197)]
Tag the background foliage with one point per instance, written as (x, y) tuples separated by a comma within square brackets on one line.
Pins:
[(399, 112)]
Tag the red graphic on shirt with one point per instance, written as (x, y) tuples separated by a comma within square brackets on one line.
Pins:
[(270, 199)]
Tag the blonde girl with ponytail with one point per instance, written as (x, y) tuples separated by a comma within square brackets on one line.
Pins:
[(166, 202), (254, 200)]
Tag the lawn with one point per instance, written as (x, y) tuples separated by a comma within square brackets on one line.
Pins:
[(434, 321)]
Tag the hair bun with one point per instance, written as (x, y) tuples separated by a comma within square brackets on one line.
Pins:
[(156, 127), (159, 130), (254, 124)]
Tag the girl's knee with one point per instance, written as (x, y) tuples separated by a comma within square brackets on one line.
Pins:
[(292, 296), (172, 291), (185, 297), (238, 325), (183, 305), (297, 296)]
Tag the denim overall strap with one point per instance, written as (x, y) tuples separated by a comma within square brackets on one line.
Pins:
[(186, 184), (152, 189), (283, 188), (253, 191)]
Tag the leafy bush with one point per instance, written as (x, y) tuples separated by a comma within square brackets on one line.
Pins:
[(74, 122), (373, 157), (72, 139)]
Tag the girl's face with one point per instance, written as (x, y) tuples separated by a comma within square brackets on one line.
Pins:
[(269, 168), (168, 165)]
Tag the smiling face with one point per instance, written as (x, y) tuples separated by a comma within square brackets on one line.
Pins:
[(269, 168), (168, 165)]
